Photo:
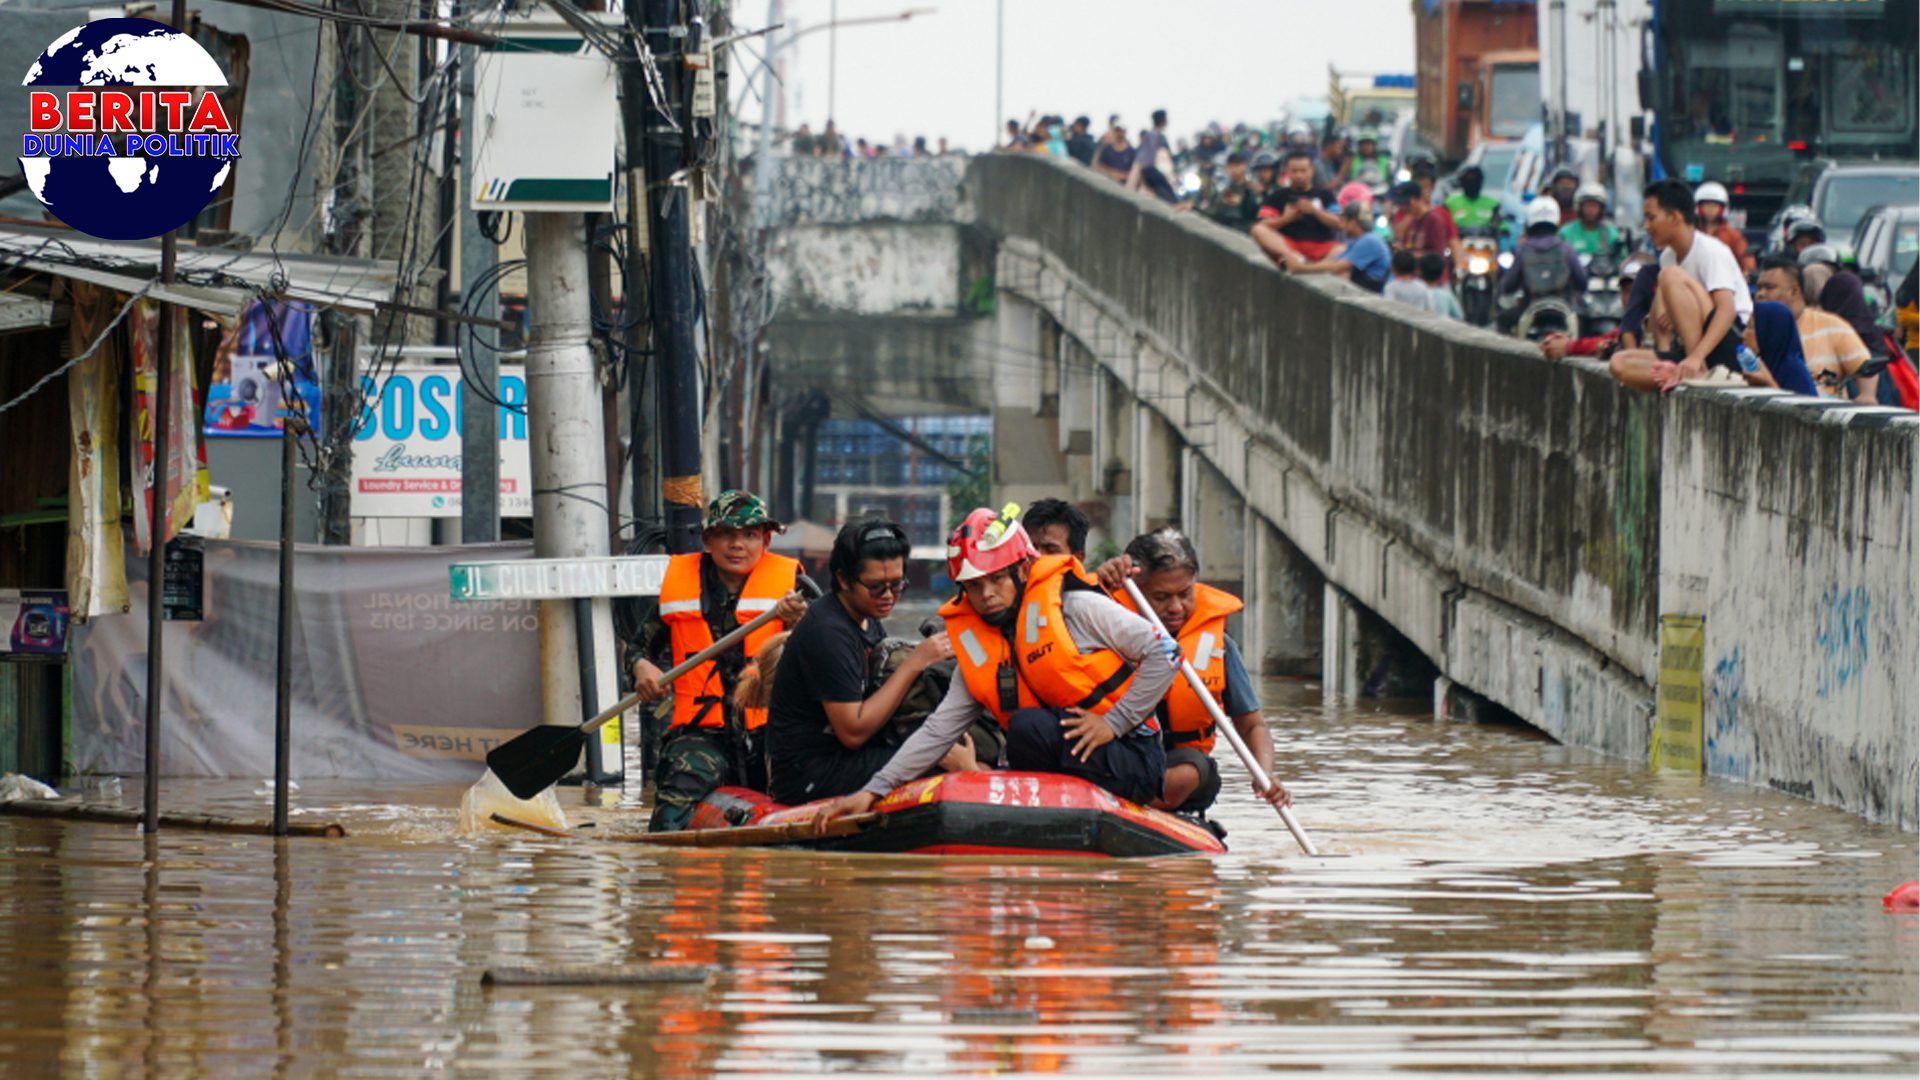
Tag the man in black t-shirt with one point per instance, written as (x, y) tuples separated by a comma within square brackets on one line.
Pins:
[(823, 716), (1298, 218)]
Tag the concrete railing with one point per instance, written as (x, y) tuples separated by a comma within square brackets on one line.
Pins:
[(1507, 513)]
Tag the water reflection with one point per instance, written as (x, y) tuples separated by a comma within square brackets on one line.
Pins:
[(1496, 901)]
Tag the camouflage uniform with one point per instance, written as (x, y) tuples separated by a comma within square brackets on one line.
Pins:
[(695, 760)]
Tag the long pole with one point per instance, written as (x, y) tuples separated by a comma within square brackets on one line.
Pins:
[(999, 69), (159, 504), (283, 632), (673, 343), (570, 511), (1220, 721), (833, 57)]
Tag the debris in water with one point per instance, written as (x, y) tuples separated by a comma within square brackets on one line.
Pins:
[(488, 796)]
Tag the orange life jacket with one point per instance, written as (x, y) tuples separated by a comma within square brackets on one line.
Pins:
[(698, 696), (1203, 639), (1043, 665)]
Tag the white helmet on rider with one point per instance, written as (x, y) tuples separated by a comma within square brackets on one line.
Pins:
[(1710, 191), (1542, 211), (1591, 192)]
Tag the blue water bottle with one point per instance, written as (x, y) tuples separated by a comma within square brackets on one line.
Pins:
[(1748, 361)]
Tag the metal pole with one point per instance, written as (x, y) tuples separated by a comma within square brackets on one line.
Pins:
[(157, 519), (564, 428), (643, 487), (479, 417), (296, 426), (999, 68), (674, 358), (833, 57), (1558, 31)]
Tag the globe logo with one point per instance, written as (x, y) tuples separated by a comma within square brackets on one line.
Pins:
[(120, 155)]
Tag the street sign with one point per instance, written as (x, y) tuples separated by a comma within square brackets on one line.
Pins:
[(555, 579)]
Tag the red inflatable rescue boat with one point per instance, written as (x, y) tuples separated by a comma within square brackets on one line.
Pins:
[(985, 813)]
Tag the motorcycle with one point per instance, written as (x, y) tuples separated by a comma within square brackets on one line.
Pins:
[(1600, 305), (1547, 315), (1478, 280)]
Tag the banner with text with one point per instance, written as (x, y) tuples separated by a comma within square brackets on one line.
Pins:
[(406, 453), (392, 678)]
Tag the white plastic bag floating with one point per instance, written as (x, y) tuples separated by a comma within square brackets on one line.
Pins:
[(489, 796), (14, 786)]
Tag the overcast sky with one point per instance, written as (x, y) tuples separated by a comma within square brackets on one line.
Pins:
[(1201, 60)]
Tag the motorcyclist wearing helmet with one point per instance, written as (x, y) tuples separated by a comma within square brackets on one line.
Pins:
[(1710, 216), (1803, 233), (1264, 164), (1544, 264), (1470, 206), (1072, 677), (1563, 185), (1590, 232), (1370, 166), (1231, 200)]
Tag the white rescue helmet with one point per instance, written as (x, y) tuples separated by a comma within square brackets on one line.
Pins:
[(1543, 211), (1711, 191)]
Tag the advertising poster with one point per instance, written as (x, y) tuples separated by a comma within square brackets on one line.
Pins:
[(248, 396), (35, 621), (406, 454)]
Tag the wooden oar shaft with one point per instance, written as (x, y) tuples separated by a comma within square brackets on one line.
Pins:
[(1220, 721), (681, 668)]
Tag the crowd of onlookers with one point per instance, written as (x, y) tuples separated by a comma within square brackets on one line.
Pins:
[(829, 143), (1698, 306)]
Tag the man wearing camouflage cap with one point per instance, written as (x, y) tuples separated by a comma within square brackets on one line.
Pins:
[(711, 741)]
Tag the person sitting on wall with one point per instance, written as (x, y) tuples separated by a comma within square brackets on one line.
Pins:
[(824, 714), (1071, 677), (1701, 303), (1168, 572)]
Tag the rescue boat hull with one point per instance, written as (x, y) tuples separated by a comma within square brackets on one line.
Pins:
[(985, 813)]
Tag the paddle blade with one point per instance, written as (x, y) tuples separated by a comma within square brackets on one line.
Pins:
[(536, 759)]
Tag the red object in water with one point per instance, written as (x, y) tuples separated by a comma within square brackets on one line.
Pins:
[(1903, 897), (986, 813)]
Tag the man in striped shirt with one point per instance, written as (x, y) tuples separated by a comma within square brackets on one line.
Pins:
[(1833, 350)]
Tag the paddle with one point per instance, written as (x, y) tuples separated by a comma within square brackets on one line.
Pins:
[(536, 759), (739, 836), (1220, 722)]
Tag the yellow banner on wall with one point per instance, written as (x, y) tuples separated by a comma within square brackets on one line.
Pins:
[(1678, 738)]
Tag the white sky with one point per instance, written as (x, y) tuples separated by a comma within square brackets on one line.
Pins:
[(1201, 60)]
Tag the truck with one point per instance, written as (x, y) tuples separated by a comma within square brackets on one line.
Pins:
[(1756, 93), (1368, 100), (1479, 71), (1592, 119)]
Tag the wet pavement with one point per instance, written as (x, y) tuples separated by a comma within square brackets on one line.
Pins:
[(1492, 902)]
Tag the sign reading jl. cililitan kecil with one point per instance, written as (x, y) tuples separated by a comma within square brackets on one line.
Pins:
[(125, 140), (407, 448)]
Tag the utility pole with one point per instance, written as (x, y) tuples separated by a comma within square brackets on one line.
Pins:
[(668, 218), (643, 489), (479, 417), (570, 518)]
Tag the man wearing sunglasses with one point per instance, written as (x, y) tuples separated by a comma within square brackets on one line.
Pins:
[(822, 720), (1070, 676)]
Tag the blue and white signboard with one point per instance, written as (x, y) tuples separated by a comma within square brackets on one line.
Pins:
[(406, 452)]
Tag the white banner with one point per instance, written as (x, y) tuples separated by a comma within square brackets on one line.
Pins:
[(406, 457)]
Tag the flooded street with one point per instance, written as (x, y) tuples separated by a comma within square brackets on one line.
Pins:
[(1491, 902)]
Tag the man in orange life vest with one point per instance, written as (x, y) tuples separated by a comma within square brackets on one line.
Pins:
[(1196, 615), (711, 741), (1070, 676)]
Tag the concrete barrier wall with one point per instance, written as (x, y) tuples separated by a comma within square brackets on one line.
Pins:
[(1524, 522)]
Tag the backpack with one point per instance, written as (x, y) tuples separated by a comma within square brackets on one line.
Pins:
[(922, 698), (1545, 270), (1901, 375)]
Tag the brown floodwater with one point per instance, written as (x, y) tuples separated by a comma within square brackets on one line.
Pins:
[(1494, 902)]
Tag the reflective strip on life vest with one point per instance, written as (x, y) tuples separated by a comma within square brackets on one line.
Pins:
[(976, 655), (679, 607), (756, 604)]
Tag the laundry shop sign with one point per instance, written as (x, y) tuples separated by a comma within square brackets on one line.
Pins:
[(407, 448)]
